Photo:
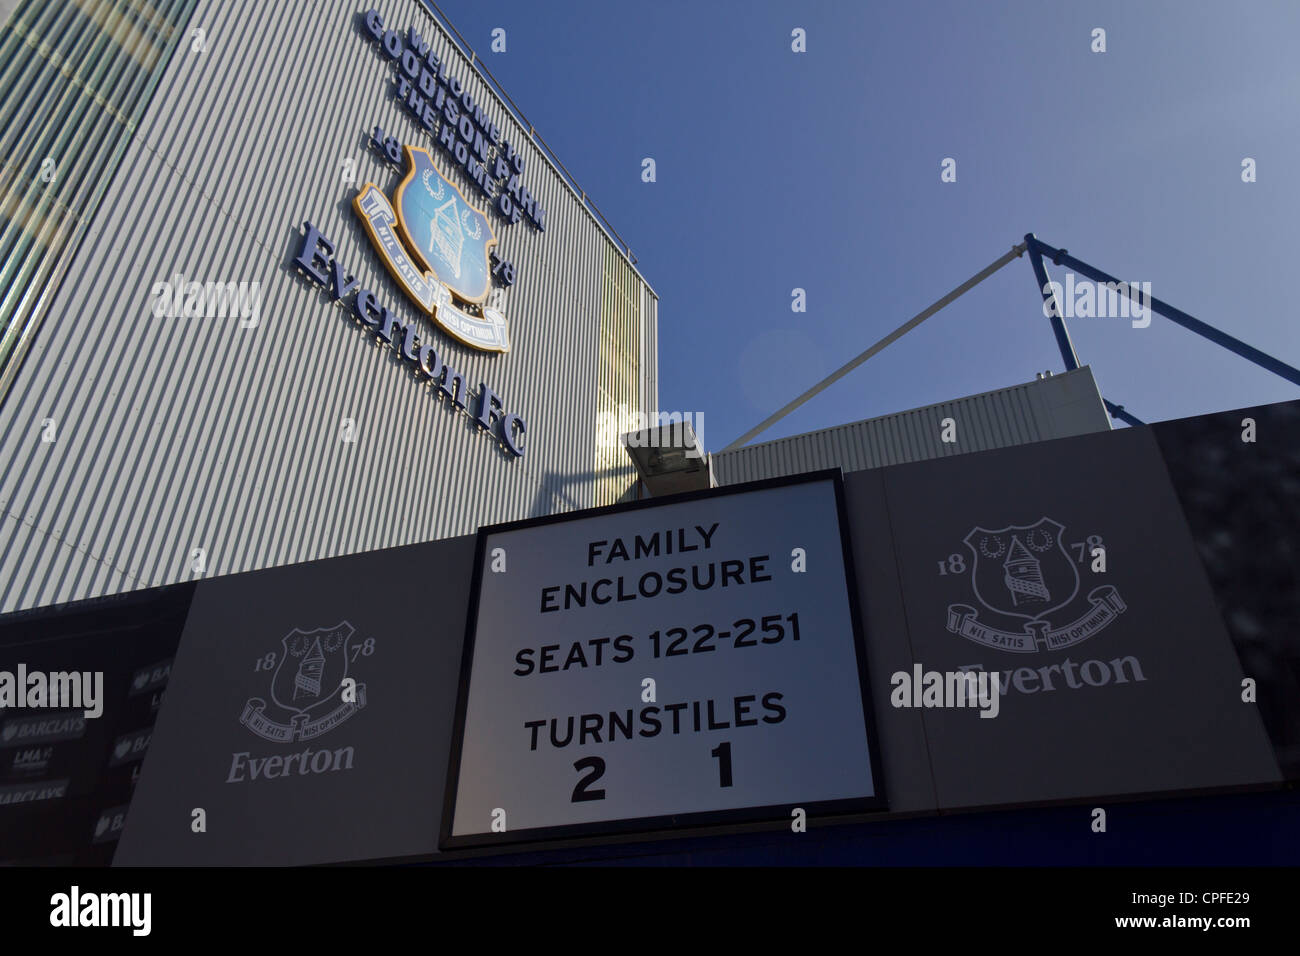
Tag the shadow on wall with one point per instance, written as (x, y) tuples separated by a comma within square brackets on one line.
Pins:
[(1242, 502)]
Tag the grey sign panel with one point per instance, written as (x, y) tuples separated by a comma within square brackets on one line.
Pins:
[(904, 752), (663, 664), (309, 714), (1114, 681)]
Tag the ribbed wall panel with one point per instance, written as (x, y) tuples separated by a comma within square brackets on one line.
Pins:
[(1056, 407), (651, 358), (175, 434), (75, 78)]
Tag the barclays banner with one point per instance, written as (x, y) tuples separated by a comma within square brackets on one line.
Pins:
[(81, 689)]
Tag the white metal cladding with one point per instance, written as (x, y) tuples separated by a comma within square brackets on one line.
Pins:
[(1055, 407), (183, 434), (75, 78), (650, 350)]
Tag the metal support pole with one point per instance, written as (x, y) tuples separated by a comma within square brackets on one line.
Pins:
[(1117, 411), (902, 330), (1055, 315), (1038, 249)]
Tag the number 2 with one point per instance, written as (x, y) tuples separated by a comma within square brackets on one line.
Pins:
[(597, 767)]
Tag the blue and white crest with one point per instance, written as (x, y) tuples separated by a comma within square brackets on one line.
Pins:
[(438, 247), (448, 236)]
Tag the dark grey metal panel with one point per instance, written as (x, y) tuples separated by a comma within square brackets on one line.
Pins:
[(1055, 407), (176, 434), (1114, 681), (376, 792), (904, 751)]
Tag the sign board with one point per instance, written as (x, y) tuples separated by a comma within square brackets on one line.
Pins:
[(1064, 570), (308, 715), (660, 664)]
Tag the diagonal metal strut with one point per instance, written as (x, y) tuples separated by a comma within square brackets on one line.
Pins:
[(1038, 249), (902, 330)]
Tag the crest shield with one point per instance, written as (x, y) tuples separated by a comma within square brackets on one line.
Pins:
[(446, 234), (1022, 571), (312, 668)]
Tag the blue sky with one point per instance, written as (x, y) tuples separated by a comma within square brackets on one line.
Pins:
[(821, 170)]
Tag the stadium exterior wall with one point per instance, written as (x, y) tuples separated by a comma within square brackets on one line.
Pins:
[(175, 436)]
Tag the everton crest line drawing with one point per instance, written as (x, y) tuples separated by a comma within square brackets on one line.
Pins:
[(307, 687), (1023, 574)]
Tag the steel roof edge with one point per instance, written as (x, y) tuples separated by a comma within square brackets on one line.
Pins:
[(907, 411)]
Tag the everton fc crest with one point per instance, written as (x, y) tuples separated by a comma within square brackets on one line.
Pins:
[(1023, 576), (438, 248), (310, 691)]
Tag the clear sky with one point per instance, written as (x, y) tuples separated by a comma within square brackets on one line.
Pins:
[(821, 170)]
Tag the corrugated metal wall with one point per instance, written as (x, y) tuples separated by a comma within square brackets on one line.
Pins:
[(620, 390), (1054, 407), (183, 434), (75, 79)]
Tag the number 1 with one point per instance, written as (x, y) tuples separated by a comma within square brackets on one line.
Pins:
[(723, 752)]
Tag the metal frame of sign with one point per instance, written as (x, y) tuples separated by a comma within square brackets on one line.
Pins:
[(660, 826)]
